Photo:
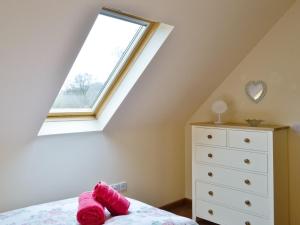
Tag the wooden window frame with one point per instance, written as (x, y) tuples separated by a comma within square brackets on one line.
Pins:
[(84, 114)]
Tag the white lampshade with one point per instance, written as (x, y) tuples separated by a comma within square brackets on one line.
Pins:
[(219, 107)]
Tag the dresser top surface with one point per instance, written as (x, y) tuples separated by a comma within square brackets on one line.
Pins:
[(240, 126)]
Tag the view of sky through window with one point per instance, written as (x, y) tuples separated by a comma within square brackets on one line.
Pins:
[(108, 44)]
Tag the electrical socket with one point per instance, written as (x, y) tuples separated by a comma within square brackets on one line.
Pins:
[(120, 187), (115, 186), (123, 186)]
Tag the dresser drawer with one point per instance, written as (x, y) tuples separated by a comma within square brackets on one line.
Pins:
[(248, 140), (234, 199), (245, 181), (209, 136), (224, 216), (239, 159)]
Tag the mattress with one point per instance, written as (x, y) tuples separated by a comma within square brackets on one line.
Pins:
[(64, 213)]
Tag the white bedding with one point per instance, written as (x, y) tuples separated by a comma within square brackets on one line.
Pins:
[(64, 213)]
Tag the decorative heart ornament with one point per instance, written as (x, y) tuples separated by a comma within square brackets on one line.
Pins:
[(256, 90)]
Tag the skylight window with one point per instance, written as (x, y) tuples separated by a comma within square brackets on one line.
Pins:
[(113, 57), (108, 49)]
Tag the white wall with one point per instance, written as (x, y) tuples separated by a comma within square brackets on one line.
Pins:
[(39, 41), (56, 167), (276, 61)]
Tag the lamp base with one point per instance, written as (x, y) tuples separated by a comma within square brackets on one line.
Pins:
[(219, 122)]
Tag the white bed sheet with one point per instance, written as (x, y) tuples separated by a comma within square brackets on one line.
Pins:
[(64, 213)]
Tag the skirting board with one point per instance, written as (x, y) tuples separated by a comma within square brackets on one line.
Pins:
[(178, 203)]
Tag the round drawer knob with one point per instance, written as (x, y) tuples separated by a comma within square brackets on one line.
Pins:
[(210, 174), (211, 193), (247, 223), (248, 203), (209, 136), (211, 212), (247, 140), (210, 155), (247, 182), (247, 161)]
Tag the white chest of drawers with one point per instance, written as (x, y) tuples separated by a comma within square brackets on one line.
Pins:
[(240, 174)]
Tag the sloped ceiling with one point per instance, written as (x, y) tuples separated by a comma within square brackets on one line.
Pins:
[(40, 39)]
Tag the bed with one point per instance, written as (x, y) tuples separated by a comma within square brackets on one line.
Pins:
[(64, 213)]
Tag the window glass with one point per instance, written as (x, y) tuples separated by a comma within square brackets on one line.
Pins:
[(107, 47)]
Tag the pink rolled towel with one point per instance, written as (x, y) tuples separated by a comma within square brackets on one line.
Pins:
[(90, 212), (111, 199)]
